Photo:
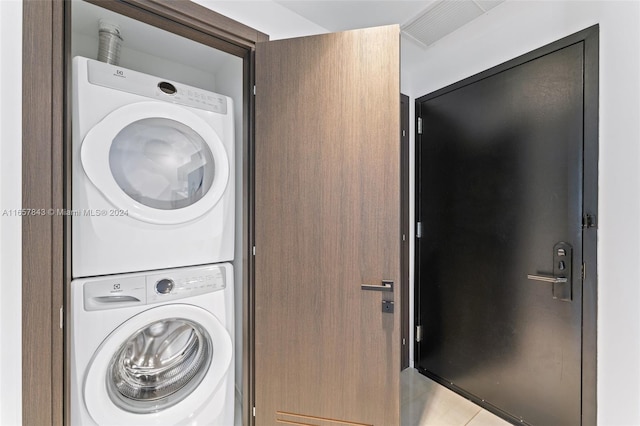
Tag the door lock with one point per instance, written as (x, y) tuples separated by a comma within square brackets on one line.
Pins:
[(387, 306), (561, 278)]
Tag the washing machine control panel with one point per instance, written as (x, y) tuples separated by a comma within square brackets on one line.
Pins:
[(129, 290), (180, 284)]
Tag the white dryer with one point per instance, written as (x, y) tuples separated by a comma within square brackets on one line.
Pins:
[(152, 172), (153, 349)]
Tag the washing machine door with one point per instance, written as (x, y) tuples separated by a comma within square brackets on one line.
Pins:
[(158, 161), (161, 366)]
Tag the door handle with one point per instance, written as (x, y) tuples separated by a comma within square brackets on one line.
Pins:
[(561, 279), (387, 285), (547, 279)]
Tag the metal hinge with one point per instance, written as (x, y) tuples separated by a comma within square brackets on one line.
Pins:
[(588, 221), (419, 125), (254, 411), (584, 271), (61, 317), (419, 333), (419, 230), (254, 90), (254, 250)]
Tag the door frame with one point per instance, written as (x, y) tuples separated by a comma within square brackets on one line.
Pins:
[(404, 231), (46, 148), (590, 39)]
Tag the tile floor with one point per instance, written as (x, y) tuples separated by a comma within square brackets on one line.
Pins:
[(424, 402)]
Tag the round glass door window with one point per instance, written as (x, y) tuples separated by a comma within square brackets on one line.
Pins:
[(159, 366), (162, 163)]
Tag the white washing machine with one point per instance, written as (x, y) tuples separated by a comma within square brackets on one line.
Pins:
[(153, 349), (152, 172)]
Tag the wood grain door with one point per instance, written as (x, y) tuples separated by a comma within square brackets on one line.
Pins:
[(327, 220)]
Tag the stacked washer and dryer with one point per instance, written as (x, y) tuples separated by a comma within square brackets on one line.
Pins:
[(151, 321)]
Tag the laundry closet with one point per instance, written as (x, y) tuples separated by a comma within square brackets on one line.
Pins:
[(167, 113), (302, 312)]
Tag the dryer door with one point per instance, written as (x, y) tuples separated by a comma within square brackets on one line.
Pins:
[(158, 161), (163, 364)]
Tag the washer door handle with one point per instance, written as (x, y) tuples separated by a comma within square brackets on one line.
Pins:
[(115, 299)]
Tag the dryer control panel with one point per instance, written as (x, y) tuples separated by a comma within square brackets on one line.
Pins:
[(136, 289), (126, 80)]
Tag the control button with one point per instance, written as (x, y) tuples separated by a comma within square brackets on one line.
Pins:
[(167, 87), (164, 286)]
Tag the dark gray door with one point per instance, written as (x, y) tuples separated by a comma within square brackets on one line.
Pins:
[(500, 206)]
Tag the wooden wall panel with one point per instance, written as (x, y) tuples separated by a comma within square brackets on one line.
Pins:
[(42, 263)]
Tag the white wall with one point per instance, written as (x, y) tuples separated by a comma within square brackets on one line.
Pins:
[(517, 27), (229, 83), (10, 226)]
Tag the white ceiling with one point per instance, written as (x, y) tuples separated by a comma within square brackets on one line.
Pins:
[(422, 21), (347, 15)]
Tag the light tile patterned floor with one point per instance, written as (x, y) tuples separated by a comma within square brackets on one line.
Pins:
[(426, 403)]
